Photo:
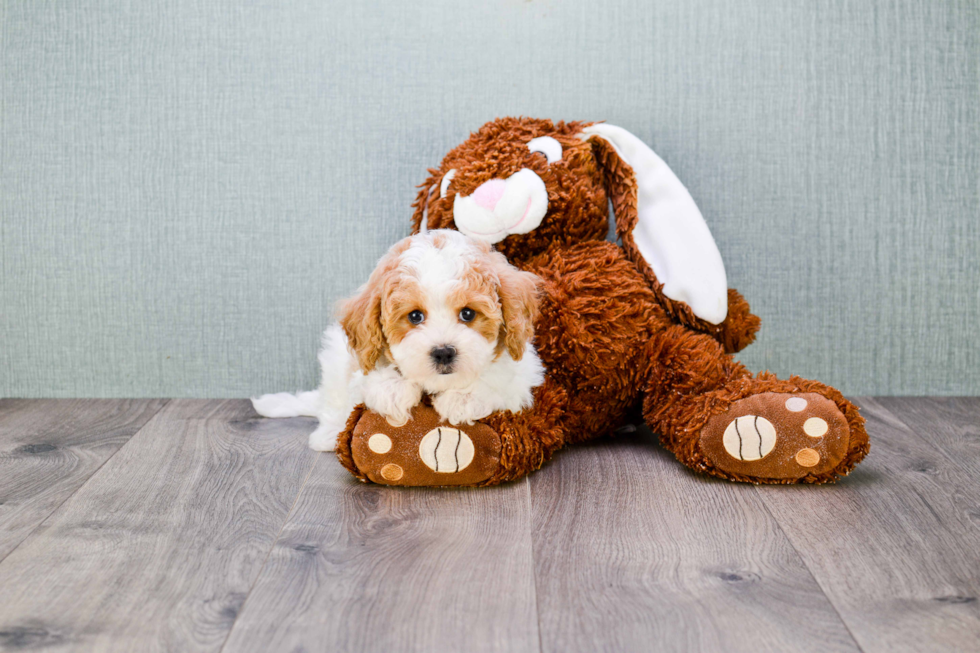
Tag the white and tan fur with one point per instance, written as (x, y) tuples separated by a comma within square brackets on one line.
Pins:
[(376, 355)]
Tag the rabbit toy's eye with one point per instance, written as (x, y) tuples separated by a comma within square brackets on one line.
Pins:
[(444, 186), (547, 146)]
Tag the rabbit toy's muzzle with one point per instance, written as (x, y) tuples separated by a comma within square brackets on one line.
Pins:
[(501, 207)]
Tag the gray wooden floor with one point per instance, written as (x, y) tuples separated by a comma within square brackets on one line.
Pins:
[(193, 525)]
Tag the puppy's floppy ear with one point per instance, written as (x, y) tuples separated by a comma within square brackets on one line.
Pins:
[(518, 293), (662, 229), (360, 316)]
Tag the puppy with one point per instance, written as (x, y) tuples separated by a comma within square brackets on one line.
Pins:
[(441, 314)]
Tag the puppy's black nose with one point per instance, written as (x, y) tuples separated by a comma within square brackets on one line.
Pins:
[(443, 355)]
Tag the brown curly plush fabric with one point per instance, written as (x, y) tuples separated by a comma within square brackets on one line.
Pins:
[(612, 342), (521, 454), (343, 448)]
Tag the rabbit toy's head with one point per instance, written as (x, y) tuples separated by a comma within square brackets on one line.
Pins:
[(520, 183), (525, 185)]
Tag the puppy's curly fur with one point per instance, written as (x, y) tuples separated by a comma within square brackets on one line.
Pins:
[(441, 315)]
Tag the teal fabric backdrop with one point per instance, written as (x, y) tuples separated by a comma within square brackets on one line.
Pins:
[(186, 188)]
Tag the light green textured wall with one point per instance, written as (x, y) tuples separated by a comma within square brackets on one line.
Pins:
[(187, 187)]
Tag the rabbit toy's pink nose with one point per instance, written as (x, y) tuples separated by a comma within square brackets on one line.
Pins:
[(489, 193)]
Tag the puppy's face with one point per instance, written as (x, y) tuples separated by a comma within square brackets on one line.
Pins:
[(441, 307)]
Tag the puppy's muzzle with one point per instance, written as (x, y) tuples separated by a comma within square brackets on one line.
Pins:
[(443, 357)]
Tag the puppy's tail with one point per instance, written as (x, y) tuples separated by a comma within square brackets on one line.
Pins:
[(284, 404)]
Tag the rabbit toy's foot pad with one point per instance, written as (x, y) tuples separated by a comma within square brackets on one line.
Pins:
[(425, 451), (777, 436)]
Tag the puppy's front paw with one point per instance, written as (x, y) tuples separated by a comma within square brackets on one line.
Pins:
[(458, 407), (392, 397), (324, 437)]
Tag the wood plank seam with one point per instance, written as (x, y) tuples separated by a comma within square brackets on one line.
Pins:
[(930, 444), (953, 460), (85, 482), (900, 557), (645, 552), (165, 541), (268, 553), (802, 558), (367, 567), (918, 434), (534, 576)]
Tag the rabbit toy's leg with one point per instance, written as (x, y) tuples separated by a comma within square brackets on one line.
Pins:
[(718, 418)]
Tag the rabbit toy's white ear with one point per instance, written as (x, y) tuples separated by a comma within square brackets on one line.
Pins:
[(663, 225)]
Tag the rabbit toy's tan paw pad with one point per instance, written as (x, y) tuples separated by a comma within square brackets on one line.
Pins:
[(777, 436)]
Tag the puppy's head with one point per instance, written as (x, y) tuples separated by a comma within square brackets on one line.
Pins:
[(441, 307)]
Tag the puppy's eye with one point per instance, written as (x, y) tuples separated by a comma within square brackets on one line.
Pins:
[(416, 317), (444, 186), (467, 315), (547, 146)]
